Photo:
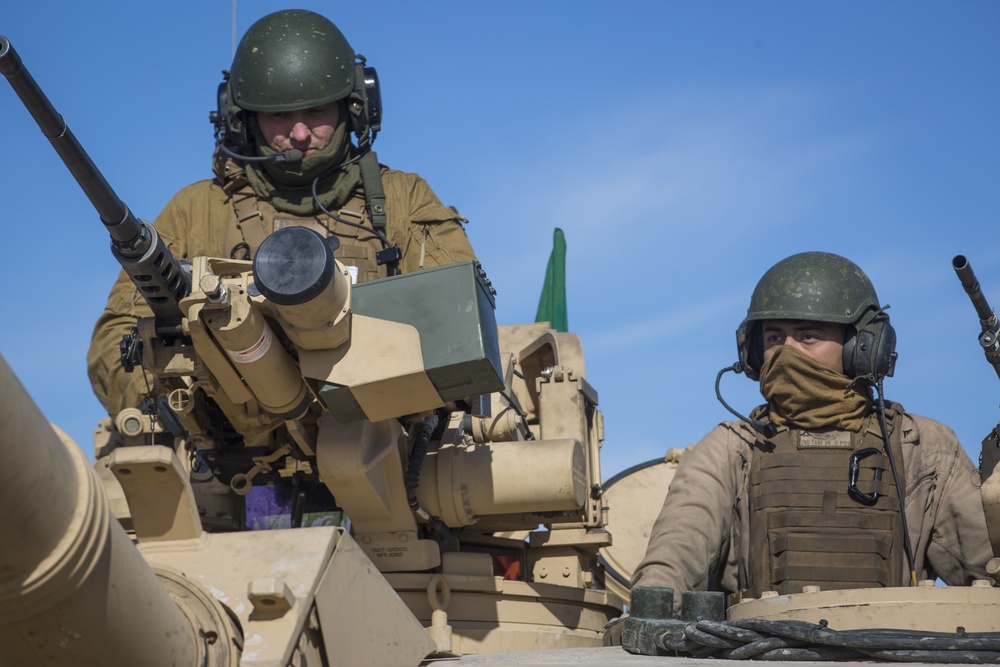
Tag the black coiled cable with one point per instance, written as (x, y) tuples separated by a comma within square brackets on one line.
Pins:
[(418, 452), (760, 639)]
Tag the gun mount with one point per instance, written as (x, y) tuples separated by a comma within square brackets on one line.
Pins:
[(445, 439)]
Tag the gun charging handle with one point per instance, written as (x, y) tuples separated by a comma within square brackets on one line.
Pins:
[(989, 338)]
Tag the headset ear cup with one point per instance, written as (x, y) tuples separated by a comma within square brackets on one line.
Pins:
[(357, 107), (871, 350), (749, 348), (233, 118), (885, 352), (373, 99), (850, 344), (220, 117)]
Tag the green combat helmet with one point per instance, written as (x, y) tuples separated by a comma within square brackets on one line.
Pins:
[(821, 287), (290, 60)]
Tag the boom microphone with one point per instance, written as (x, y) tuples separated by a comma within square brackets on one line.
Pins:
[(291, 155), (766, 429)]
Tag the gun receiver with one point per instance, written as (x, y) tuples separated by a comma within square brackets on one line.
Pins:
[(143, 255), (989, 339)]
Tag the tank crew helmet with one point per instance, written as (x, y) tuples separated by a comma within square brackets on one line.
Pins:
[(821, 287), (290, 60)]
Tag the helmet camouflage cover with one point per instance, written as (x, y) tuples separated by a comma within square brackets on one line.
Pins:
[(814, 286), (290, 60)]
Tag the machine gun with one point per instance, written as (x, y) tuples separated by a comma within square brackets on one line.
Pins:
[(458, 449), (989, 339)]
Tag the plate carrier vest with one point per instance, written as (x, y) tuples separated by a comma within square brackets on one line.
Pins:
[(806, 529)]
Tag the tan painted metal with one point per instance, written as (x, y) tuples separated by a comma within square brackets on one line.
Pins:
[(491, 615), (161, 502), (462, 483), (635, 499), (290, 588), (236, 323), (991, 506), (361, 463), (76, 590), (925, 607), (383, 365), (73, 589), (359, 610), (324, 322)]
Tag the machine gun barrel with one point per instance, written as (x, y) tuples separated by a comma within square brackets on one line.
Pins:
[(989, 338), (135, 243)]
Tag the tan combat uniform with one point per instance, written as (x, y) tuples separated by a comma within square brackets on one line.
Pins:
[(201, 220), (701, 540)]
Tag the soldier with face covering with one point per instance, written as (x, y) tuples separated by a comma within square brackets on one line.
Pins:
[(295, 96), (807, 491)]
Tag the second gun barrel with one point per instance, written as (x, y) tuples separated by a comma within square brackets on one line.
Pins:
[(971, 285)]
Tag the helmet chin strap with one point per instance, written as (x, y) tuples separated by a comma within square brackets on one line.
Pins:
[(371, 173)]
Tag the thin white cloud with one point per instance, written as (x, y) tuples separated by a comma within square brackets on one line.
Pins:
[(626, 333), (694, 161)]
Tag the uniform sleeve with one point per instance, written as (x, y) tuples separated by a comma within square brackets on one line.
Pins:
[(959, 545), (427, 231), (690, 541), (115, 388)]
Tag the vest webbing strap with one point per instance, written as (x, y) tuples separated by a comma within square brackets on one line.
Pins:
[(371, 179), (807, 474), (845, 577), (812, 544)]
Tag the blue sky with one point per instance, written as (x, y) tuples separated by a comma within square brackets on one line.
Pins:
[(684, 148)]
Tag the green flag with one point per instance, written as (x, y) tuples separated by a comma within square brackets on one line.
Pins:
[(552, 304)]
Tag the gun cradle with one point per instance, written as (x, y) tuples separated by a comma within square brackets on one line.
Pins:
[(520, 455), (330, 391)]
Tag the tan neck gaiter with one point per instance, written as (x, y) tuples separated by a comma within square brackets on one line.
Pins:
[(803, 393)]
